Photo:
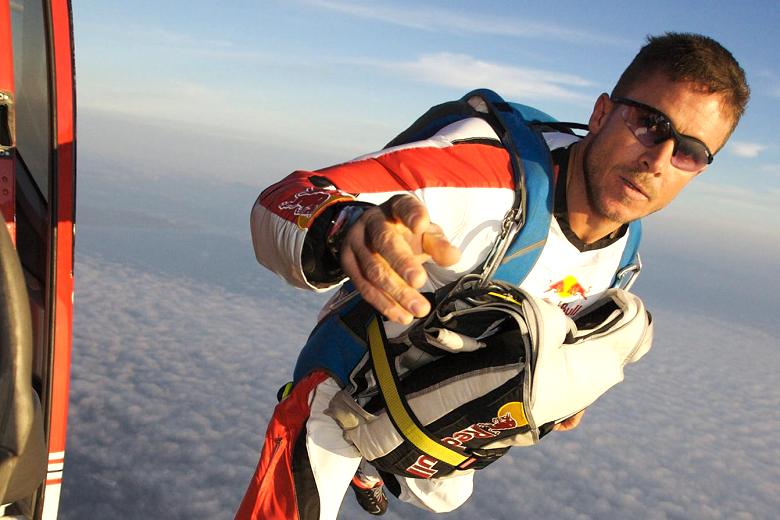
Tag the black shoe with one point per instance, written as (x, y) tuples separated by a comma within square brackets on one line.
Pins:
[(370, 495)]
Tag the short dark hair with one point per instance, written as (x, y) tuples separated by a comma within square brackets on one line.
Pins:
[(695, 58)]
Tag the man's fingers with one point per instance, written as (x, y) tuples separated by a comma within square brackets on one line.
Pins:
[(379, 275), (384, 252), (436, 244), (413, 214), (370, 293), (409, 211), (570, 423), (391, 242)]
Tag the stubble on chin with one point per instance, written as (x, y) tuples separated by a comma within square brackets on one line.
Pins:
[(598, 198)]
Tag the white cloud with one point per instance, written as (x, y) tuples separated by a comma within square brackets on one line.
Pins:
[(746, 148), (174, 380), (173, 383), (463, 72), (475, 22), (177, 357)]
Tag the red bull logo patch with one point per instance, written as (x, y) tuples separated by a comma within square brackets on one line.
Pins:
[(567, 288), (509, 417), (305, 204)]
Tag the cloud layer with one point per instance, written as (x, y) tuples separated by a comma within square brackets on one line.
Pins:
[(174, 379), (172, 382)]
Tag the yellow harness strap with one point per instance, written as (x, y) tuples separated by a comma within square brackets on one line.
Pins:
[(399, 414)]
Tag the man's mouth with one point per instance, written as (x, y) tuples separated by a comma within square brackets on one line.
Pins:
[(635, 188)]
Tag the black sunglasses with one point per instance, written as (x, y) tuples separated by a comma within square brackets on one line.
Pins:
[(652, 127)]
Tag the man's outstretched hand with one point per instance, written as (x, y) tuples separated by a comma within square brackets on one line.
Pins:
[(384, 251)]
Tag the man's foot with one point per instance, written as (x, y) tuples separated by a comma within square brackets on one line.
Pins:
[(369, 493)]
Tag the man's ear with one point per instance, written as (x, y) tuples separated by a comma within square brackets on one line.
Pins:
[(601, 111)]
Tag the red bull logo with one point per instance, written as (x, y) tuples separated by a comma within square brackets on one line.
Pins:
[(305, 204), (567, 288), (481, 430), (500, 424), (424, 466)]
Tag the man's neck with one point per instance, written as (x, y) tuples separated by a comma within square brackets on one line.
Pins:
[(584, 221)]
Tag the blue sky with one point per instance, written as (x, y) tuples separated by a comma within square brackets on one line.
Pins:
[(341, 77), (187, 110)]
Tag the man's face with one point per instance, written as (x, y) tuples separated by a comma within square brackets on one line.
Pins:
[(626, 180)]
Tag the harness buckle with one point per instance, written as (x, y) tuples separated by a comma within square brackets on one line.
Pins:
[(626, 277)]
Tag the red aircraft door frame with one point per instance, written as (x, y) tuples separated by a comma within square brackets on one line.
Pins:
[(65, 167), (7, 179), (61, 201)]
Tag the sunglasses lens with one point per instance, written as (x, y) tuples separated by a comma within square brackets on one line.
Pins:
[(652, 128), (649, 128), (690, 155)]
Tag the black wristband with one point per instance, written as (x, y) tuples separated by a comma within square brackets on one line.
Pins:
[(317, 261)]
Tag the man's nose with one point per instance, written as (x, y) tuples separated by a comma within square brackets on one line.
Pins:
[(657, 159)]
